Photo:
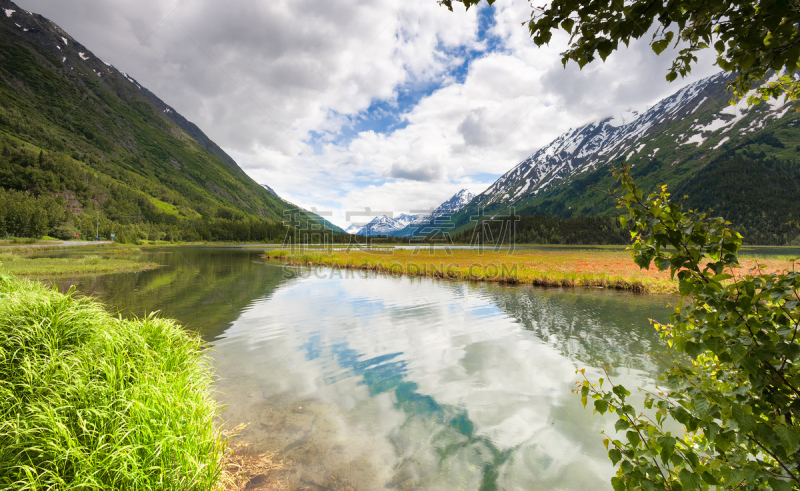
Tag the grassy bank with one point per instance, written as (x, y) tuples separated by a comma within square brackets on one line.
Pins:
[(17, 264), (90, 401), (610, 268)]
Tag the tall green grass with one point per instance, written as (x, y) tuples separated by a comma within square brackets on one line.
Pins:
[(89, 401)]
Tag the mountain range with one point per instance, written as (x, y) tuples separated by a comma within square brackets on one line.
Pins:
[(694, 140), (407, 225), (79, 131), (82, 142)]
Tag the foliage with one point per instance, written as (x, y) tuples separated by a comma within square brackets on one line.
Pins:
[(543, 229), (754, 183), (90, 401), (758, 193), (65, 232), (734, 377), (103, 148), (751, 38)]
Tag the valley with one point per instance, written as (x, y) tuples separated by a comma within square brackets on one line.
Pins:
[(406, 250)]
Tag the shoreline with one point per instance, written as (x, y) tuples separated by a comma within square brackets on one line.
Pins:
[(608, 269), (20, 265), (491, 272)]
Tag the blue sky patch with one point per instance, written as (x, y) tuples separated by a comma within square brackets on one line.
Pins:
[(387, 116)]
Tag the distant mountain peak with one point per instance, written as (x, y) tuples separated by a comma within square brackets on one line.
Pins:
[(270, 190), (455, 203)]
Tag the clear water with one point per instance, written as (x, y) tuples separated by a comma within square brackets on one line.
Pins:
[(373, 382)]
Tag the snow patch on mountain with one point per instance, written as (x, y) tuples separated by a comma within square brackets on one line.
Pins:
[(406, 219), (596, 144), (721, 142), (698, 139), (624, 136)]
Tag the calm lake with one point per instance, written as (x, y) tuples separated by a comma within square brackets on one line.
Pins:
[(375, 382)]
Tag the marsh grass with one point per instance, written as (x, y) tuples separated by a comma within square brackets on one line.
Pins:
[(611, 268), (18, 264), (91, 401)]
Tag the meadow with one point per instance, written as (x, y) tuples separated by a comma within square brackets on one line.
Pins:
[(19, 264), (609, 267)]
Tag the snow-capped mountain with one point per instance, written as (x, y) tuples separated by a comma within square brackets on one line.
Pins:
[(382, 225), (405, 219), (594, 144), (696, 118), (354, 229), (269, 189), (405, 224), (442, 212), (458, 201)]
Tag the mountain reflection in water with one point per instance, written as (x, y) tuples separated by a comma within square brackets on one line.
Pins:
[(402, 383)]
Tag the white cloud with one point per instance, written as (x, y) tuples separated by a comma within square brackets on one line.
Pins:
[(265, 78)]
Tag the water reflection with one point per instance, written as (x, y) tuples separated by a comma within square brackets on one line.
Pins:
[(205, 288), (402, 383), (419, 384), (591, 326)]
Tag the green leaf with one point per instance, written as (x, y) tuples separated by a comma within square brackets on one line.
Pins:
[(746, 422), (621, 425), (789, 437), (722, 277), (694, 349), (614, 455), (780, 484), (621, 392), (600, 406), (633, 438), (660, 46), (709, 478), (662, 264), (689, 479)]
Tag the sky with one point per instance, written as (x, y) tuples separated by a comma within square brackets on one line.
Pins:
[(342, 105)]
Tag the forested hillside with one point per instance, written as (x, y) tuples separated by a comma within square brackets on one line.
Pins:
[(733, 161), (81, 142), (540, 229)]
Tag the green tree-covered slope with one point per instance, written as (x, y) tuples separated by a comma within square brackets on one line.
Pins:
[(736, 162), (81, 140)]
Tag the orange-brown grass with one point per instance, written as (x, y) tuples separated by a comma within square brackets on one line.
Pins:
[(561, 268)]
